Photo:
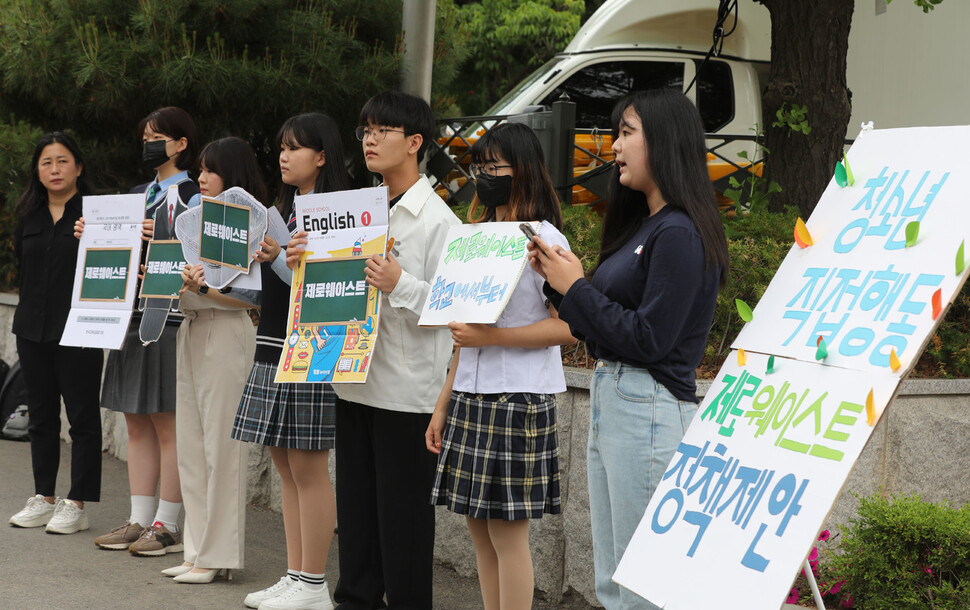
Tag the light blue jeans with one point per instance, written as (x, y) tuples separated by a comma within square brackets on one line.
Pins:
[(634, 428)]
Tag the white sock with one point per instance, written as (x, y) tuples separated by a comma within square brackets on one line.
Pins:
[(293, 575), (142, 508), (312, 582), (168, 514)]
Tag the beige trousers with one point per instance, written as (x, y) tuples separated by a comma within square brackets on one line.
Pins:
[(215, 355)]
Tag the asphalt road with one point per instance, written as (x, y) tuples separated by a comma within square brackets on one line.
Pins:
[(40, 570)]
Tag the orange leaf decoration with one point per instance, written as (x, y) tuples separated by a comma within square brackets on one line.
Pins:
[(802, 237)]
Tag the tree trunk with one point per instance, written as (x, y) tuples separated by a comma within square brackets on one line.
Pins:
[(809, 44)]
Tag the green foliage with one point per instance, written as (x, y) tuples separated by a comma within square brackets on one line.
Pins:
[(583, 227), (506, 40), (905, 553), (17, 140), (240, 67), (926, 5), (757, 243), (794, 117), (752, 192)]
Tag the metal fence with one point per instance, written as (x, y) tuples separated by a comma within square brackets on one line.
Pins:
[(580, 161)]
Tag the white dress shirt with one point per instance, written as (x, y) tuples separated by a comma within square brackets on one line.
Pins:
[(409, 363), (494, 369)]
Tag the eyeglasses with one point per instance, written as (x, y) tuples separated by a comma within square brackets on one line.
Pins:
[(488, 169), (379, 133)]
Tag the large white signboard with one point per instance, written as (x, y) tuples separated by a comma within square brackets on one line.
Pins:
[(106, 274), (476, 274), (783, 423), (859, 287), (754, 478)]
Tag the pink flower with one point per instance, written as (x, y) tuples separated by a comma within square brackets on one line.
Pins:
[(825, 535), (792, 596)]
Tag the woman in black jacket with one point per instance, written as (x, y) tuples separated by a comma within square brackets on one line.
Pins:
[(46, 257)]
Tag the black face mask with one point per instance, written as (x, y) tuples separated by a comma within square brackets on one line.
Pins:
[(493, 191), (153, 154)]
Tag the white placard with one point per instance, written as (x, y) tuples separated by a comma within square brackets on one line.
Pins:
[(106, 272), (476, 274)]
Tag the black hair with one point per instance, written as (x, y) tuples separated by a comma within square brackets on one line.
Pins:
[(397, 109), (677, 158), (319, 132), (35, 195), (175, 123), (533, 195), (233, 160)]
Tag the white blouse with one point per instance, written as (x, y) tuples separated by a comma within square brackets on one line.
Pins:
[(496, 369)]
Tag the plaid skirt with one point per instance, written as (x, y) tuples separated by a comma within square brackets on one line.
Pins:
[(499, 457), (288, 415)]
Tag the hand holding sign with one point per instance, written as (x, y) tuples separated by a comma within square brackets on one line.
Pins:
[(269, 249), (383, 273), (469, 335), (147, 229), (295, 249), (193, 277), (560, 267)]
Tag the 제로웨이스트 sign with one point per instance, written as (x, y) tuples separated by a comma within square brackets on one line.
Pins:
[(106, 272)]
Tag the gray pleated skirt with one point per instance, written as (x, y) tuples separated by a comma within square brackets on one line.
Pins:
[(141, 379)]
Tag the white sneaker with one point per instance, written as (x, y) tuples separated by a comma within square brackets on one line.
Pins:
[(254, 599), (68, 518), (298, 597), (37, 513)]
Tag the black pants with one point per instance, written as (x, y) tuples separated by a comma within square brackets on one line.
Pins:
[(51, 371), (385, 520)]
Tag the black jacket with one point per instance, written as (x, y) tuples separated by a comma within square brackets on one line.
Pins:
[(46, 258)]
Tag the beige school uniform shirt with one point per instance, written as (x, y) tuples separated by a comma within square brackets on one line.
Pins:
[(409, 364)]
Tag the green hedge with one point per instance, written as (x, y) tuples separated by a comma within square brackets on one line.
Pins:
[(903, 553)]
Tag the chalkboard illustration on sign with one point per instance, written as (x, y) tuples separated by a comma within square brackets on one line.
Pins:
[(105, 274), (224, 237), (163, 269)]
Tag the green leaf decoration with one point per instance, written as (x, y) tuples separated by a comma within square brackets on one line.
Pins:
[(848, 170), (771, 365), (822, 352), (961, 264), (743, 310), (912, 233), (840, 176)]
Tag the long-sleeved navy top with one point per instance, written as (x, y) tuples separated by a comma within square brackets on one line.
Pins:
[(651, 303)]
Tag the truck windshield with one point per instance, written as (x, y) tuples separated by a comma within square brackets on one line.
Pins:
[(547, 70)]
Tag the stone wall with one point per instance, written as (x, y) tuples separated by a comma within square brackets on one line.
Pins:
[(922, 445)]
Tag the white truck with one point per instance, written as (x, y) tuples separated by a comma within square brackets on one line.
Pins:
[(903, 66)]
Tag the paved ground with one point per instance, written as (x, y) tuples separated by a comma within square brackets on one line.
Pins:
[(38, 570)]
